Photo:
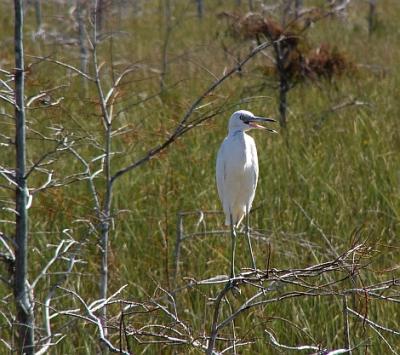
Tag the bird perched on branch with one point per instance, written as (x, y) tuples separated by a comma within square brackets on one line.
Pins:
[(237, 171)]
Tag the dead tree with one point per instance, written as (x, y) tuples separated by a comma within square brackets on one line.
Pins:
[(38, 15), (28, 338), (99, 15), (167, 35), (80, 13), (200, 8), (291, 62), (25, 317), (372, 16), (281, 55)]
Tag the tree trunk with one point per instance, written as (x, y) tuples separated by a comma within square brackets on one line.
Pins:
[(24, 306), (82, 34), (200, 8), (99, 16), (168, 29), (372, 16), (283, 90), (105, 227), (38, 15), (281, 56)]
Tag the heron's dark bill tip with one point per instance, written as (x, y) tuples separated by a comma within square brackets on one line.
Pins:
[(265, 119)]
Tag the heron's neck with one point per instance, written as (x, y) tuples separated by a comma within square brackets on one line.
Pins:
[(236, 131)]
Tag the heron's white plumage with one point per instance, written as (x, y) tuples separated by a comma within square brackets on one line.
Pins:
[(237, 175), (237, 166)]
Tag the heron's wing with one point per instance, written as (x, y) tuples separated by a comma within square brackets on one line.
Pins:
[(220, 172), (255, 164), (255, 169)]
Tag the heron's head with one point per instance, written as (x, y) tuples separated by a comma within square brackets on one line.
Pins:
[(244, 120)]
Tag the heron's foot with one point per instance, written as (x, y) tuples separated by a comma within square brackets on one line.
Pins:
[(231, 282), (243, 229), (232, 285)]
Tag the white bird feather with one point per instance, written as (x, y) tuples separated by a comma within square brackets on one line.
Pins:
[(237, 166)]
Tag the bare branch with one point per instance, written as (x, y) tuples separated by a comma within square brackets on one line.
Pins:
[(96, 320), (373, 324), (47, 317), (181, 127), (286, 347), (117, 81), (65, 65), (57, 254)]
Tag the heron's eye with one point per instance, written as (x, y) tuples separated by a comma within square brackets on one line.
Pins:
[(244, 119)]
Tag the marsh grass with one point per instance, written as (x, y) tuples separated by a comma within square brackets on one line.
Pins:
[(343, 176)]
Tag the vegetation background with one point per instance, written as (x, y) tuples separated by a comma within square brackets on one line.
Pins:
[(333, 174)]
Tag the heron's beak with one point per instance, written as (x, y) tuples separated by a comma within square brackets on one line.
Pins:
[(253, 123)]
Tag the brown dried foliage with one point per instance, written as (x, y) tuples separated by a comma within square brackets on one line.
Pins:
[(327, 61), (300, 62), (253, 25)]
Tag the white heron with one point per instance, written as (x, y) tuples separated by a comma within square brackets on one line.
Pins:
[(237, 173)]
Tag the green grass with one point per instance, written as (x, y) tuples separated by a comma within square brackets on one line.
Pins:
[(345, 175)]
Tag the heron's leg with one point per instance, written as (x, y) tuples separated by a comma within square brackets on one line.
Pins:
[(248, 237), (233, 250)]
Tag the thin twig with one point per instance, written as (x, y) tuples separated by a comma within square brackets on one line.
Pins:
[(181, 127)]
